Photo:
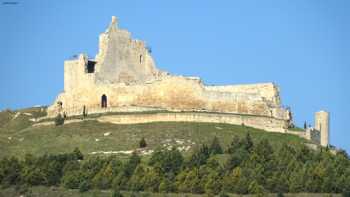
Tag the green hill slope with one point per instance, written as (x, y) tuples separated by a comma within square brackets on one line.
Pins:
[(262, 163), (18, 136)]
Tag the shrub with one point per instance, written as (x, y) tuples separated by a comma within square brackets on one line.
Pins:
[(142, 143), (223, 194), (84, 186), (116, 193), (280, 194), (77, 154), (59, 120), (22, 189)]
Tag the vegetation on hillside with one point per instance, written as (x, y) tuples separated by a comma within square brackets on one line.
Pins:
[(252, 167), (18, 137)]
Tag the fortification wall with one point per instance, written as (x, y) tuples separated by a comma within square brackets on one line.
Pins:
[(170, 93), (76, 75), (266, 123), (267, 91)]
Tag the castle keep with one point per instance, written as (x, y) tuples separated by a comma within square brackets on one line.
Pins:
[(123, 77)]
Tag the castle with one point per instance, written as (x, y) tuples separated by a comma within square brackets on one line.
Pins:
[(123, 77)]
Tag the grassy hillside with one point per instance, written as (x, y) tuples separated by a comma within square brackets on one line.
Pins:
[(18, 136), (255, 168)]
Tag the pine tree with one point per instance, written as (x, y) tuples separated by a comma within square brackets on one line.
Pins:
[(248, 142), (213, 183), (199, 157), (235, 145), (166, 186), (131, 165), (215, 147)]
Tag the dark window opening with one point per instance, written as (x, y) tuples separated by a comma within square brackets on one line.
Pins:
[(104, 101), (90, 67), (140, 59)]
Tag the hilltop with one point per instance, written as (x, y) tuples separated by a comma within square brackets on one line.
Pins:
[(19, 135)]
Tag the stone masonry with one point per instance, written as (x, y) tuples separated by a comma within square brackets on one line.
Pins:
[(322, 125)]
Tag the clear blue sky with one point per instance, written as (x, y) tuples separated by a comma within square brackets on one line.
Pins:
[(302, 45)]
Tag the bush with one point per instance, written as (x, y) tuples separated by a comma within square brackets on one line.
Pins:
[(77, 154), (142, 143), (280, 194), (346, 193), (22, 189), (116, 193), (59, 120), (223, 194), (84, 186)]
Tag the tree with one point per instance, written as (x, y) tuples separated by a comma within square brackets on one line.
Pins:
[(235, 144), (297, 180), (236, 158), (103, 179), (131, 165), (166, 186), (72, 179), (248, 142), (167, 161), (213, 164), (34, 176), (256, 188), (215, 147), (199, 157), (264, 151), (137, 180), (213, 183), (305, 125), (142, 143), (10, 171), (189, 181), (59, 120), (152, 180)]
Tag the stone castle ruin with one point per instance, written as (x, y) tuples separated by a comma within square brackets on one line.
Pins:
[(123, 77)]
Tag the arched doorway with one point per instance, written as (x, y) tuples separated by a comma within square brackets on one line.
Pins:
[(104, 101)]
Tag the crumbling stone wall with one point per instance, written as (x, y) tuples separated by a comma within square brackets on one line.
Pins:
[(171, 93), (266, 123), (76, 76), (123, 60)]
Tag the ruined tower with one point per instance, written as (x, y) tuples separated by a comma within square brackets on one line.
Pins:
[(322, 125)]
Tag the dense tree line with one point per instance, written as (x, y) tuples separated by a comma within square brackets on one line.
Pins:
[(249, 167)]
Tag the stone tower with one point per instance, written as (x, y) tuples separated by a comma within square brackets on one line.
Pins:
[(322, 125)]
